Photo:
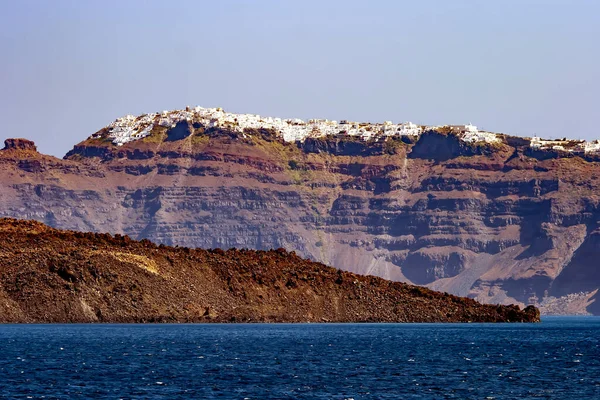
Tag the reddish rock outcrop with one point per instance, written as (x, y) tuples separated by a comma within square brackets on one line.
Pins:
[(19, 144), (49, 275)]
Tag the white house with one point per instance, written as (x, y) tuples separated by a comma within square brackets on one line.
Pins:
[(463, 128)]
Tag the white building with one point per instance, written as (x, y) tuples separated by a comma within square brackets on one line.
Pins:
[(463, 128)]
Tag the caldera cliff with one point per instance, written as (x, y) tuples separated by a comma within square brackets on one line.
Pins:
[(498, 218)]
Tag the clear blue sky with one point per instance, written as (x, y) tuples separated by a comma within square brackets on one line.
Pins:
[(516, 66)]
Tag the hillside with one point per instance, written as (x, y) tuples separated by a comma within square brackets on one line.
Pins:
[(499, 218), (48, 275)]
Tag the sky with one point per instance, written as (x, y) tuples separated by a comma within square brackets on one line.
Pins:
[(523, 67)]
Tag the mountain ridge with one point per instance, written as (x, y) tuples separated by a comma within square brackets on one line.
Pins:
[(507, 221)]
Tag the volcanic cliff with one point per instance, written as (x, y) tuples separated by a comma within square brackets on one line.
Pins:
[(498, 218), (49, 275)]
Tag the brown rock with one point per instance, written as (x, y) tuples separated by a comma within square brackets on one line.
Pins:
[(49, 275), (19, 144)]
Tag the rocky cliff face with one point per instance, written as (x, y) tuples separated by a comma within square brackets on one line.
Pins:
[(500, 222), (47, 275)]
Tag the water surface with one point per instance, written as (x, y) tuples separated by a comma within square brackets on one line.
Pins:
[(559, 358)]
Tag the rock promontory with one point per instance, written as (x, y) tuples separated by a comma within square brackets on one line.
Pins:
[(49, 275), (19, 144)]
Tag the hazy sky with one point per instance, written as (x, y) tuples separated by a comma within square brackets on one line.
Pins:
[(68, 68)]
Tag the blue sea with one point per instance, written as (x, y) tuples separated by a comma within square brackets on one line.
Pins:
[(557, 359)]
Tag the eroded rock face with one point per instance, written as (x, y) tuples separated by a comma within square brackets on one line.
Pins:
[(48, 275), (494, 222)]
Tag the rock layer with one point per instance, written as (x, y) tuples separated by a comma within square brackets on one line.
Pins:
[(48, 275), (500, 222)]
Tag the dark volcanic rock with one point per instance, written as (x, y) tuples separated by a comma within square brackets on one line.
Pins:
[(433, 145), (47, 275), (181, 130)]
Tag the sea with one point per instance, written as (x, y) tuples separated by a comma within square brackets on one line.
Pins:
[(556, 359)]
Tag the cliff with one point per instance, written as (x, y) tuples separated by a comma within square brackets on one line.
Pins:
[(497, 218), (49, 275)]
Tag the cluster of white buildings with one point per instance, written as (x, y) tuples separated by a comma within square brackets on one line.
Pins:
[(592, 147), (539, 143), (572, 146), (130, 128), (470, 134)]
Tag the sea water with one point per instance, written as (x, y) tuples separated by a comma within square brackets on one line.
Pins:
[(559, 358)]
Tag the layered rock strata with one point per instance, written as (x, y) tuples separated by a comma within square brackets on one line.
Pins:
[(502, 221)]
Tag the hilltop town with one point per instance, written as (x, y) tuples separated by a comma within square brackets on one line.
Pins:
[(130, 128)]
